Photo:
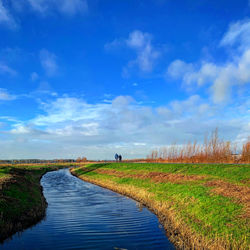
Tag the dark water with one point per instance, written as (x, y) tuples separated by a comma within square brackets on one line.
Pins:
[(81, 215)]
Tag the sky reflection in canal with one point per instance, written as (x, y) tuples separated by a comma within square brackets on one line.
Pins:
[(81, 215)]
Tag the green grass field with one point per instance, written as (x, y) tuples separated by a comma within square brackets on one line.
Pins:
[(210, 201), (21, 185)]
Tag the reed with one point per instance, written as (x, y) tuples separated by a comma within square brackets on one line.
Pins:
[(246, 151), (213, 150)]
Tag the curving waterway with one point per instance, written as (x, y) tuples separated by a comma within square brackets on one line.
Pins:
[(81, 215)]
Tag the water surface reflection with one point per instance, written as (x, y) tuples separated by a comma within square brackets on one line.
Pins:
[(81, 215)]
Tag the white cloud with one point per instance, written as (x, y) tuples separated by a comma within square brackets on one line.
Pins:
[(178, 68), (43, 7), (5, 96), (139, 144), (20, 129), (39, 5), (71, 7), (6, 69), (138, 39), (67, 109), (122, 101), (48, 62), (221, 77), (114, 44), (34, 76), (146, 53), (244, 133), (71, 126), (66, 7), (5, 17), (238, 34)]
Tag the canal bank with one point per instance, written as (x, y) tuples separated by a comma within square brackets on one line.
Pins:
[(200, 206), (22, 203), (81, 215), (166, 217)]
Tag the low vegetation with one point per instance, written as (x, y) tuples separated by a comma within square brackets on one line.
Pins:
[(213, 150), (21, 200), (202, 206)]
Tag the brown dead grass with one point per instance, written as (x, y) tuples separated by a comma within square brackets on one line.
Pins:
[(154, 176), (242, 193), (239, 193), (174, 178), (5, 179)]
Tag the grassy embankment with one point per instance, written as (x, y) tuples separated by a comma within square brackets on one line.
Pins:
[(21, 200), (200, 206)]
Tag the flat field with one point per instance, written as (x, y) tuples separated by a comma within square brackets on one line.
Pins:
[(200, 205)]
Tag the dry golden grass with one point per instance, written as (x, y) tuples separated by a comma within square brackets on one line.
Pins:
[(237, 192), (246, 152), (213, 150), (154, 176)]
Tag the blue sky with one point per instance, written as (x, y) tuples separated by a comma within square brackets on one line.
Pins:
[(92, 78)]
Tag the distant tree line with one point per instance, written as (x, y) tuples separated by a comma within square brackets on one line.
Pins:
[(30, 161)]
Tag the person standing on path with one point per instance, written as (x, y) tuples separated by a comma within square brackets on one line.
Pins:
[(116, 157), (120, 158)]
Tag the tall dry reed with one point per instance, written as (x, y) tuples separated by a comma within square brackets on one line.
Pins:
[(213, 150)]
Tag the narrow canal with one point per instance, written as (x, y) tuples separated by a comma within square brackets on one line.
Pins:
[(81, 215)]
